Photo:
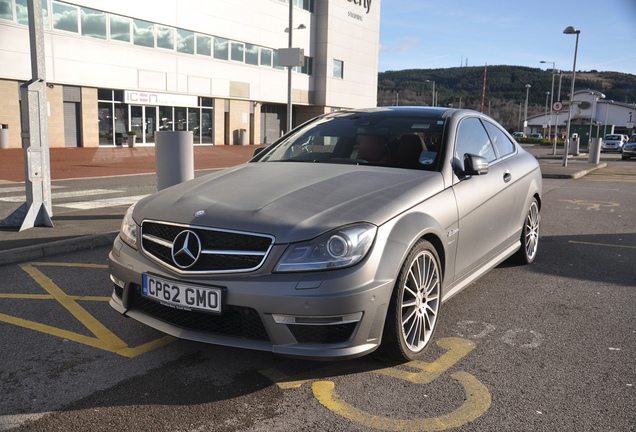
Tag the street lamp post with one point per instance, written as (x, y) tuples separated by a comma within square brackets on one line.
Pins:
[(546, 108), (289, 68), (551, 104), (525, 112), (433, 102), (570, 30)]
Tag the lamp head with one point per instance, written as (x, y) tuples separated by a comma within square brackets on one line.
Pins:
[(571, 30)]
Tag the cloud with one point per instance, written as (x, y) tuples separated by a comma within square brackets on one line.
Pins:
[(404, 44)]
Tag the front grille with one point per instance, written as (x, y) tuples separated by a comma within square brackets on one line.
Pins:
[(221, 250), (234, 321), (325, 334)]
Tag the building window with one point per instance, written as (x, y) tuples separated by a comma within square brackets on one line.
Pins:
[(221, 50), (65, 18), (143, 33), (338, 69), (93, 23), (237, 51), (275, 61), (308, 67), (119, 28), (185, 41), (266, 57), (6, 10), (251, 54), (165, 37), (204, 45)]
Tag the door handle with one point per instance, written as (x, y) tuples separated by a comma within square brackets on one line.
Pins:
[(507, 176)]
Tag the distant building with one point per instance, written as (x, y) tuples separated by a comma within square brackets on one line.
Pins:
[(591, 113), (210, 67)]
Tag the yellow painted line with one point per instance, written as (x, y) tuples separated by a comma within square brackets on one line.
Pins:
[(141, 349), (54, 331), (456, 348), (603, 244), (104, 339), (50, 297), (96, 327), (80, 265), (595, 205), (477, 402)]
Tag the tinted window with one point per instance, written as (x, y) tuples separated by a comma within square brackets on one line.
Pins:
[(144, 33), (119, 28), (204, 45), (503, 145), (473, 139), (185, 41), (165, 37), (93, 23), (65, 18)]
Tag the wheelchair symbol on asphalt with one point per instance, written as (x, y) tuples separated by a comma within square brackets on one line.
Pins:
[(476, 403)]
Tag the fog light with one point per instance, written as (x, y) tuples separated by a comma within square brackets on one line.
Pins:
[(120, 283), (317, 320)]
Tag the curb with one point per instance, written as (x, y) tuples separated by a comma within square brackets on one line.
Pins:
[(55, 248)]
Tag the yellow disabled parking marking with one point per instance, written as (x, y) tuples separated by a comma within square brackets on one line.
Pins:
[(103, 338), (477, 400)]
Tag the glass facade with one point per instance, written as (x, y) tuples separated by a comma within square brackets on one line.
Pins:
[(116, 118), (98, 24), (65, 18), (143, 33), (93, 23)]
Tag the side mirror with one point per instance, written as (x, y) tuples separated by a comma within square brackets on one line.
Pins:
[(475, 165)]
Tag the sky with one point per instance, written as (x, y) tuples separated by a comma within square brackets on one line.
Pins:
[(427, 34)]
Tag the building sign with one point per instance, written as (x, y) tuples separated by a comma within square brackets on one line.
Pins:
[(366, 4), (167, 99)]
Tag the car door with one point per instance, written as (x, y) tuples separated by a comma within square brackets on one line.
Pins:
[(483, 201)]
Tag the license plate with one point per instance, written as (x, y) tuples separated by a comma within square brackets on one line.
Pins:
[(180, 295)]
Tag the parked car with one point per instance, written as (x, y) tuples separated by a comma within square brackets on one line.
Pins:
[(629, 148), (613, 142), (536, 135), (344, 235), (518, 135)]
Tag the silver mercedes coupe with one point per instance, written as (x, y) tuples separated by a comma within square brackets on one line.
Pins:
[(344, 236)]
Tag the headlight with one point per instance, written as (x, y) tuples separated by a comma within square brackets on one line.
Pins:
[(128, 231), (336, 249)]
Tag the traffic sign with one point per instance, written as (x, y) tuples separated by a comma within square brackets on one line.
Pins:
[(557, 106)]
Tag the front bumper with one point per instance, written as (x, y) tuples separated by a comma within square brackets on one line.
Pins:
[(321, 315), (611, 147), (629, 151)]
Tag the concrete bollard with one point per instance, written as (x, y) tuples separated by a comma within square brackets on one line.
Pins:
[(174, 156)]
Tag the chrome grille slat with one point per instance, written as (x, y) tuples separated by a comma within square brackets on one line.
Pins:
[(222, 251)]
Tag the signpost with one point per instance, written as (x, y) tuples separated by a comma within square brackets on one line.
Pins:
[(37, 211)]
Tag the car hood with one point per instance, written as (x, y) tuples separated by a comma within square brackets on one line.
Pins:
[(291, 201)]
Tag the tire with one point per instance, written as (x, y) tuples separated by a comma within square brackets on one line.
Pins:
[(415, 303), (530, 234)]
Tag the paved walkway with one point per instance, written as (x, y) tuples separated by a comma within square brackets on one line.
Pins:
[(91, 228)]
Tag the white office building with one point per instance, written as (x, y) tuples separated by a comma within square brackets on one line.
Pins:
[(206, 66)]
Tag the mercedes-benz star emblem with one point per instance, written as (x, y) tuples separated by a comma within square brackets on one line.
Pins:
[(186, 249)]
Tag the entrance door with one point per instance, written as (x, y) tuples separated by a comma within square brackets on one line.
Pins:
[(71, 125), (143, 120), (150, 117)]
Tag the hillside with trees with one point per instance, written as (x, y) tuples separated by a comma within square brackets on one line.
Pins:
[(505, 94)]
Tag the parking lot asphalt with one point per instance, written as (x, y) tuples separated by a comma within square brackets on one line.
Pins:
[(78, 230)]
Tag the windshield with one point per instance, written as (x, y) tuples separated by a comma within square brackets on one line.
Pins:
[(379, 139)]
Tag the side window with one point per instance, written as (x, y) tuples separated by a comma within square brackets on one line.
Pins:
[(473, 139), (501, 141)]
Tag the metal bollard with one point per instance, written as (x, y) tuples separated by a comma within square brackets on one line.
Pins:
[(174, 156)]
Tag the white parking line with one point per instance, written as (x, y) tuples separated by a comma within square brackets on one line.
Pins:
[(87, 205), (61, 195)]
